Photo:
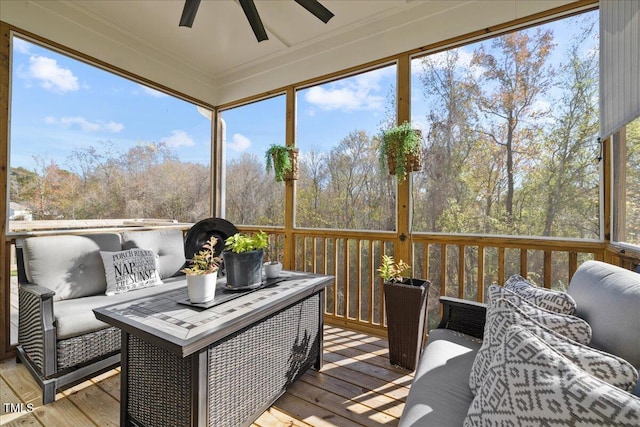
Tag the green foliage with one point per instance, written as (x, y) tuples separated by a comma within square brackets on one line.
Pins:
[(278, 158), (399, 141), (392, 272), (204, 262), (240, 243)]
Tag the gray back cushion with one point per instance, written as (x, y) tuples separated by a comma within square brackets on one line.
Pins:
[(168, 245), (608, 298), (71, 266)]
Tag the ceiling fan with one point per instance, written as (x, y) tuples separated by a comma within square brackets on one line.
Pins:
[(250, 11)]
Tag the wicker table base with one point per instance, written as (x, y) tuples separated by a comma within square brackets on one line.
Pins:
[(231, 380)]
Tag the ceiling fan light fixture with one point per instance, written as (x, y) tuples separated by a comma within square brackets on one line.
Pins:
[(189, 13)]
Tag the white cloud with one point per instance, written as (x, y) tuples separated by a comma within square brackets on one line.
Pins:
[(84, 124), (51, 75), (361, 92), (21, 46), (179, 138), (238, 143), (152, 92)]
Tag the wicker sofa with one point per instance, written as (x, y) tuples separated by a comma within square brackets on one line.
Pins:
[(606, 296), (61, 280)]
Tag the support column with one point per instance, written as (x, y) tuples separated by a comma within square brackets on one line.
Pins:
[(290, 185), (404, 248)]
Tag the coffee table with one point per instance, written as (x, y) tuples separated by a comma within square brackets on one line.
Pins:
[(222, 366)]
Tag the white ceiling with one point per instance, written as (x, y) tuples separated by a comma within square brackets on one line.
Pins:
[(218, 60)]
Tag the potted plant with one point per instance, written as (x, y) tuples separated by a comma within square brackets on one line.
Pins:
[(406, 307), (400, 150), (202, 273), (242, 257), (284, 162), (272, 265)]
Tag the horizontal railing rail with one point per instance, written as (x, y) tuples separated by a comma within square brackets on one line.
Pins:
[(456, 265)]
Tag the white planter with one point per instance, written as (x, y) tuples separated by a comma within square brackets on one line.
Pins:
[(201, 287), (272, 269)]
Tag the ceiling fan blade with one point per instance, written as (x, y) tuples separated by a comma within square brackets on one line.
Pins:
[(250, 11), (189, 13), (318, 10)]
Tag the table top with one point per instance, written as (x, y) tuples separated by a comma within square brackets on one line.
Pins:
[(164, 321)]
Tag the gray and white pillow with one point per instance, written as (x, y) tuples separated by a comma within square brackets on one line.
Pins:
[(501, 314), (531, 384), (131, 269), (559, 302), (577, 329)]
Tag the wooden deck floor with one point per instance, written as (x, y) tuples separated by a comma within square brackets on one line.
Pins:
[(356, 387)]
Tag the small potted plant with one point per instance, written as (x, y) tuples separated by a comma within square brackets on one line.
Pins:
[(283, 160), (272, 265), (406, 307), (400, 150), (242, 257), (202, 273)]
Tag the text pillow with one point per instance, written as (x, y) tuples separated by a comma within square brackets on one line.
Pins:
[(501, 314), (530, 384), (128, 270), (560, 302)]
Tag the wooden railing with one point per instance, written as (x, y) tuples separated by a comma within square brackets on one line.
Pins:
[(456, 265)]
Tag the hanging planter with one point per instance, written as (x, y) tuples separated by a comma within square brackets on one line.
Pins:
[(400, 150), (284, 162)]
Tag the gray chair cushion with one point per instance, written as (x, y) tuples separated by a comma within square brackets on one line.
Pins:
[(608, 297), (440, 394), (168, 245), (75, 317), (71, 266)]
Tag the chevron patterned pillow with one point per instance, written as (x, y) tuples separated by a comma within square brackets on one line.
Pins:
[(560, 302), (531, 384)]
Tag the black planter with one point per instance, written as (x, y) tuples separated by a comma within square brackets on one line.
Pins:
[(243, 270), (406, 306)]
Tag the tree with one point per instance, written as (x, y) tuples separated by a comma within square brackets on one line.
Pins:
[(513, 77)]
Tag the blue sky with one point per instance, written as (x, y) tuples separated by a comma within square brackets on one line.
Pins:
[(59, 104)]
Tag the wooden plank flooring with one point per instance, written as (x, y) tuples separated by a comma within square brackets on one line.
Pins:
[(356, 387)]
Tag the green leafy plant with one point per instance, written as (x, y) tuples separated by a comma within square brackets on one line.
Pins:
[(392, 272), (280, 158), (205, 261), (240, 243), (400, 147)]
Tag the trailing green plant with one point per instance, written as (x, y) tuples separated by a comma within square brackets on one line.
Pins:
[(392, 272), (279, 158), (205, 261), (240, 243), (400, 142)]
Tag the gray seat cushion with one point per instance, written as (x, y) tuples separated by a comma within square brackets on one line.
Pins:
[(440, 394), (71, 266), (75, 317), (168, 245)]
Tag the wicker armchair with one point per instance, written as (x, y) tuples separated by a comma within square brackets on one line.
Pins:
[(463, 316)]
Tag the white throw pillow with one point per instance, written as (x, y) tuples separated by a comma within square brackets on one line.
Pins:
[(577, 329), (531, 384), (560, 302), (131, 269), (501, 314)]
